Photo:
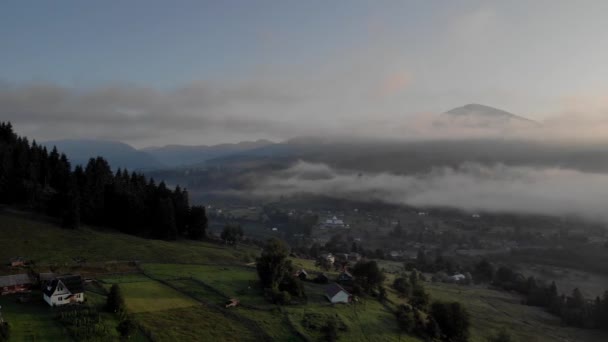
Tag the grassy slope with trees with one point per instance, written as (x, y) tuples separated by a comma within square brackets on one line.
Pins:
[(191, 280)]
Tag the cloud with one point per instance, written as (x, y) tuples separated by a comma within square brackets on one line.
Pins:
[(469, 187), (141, 114), (366, 105)]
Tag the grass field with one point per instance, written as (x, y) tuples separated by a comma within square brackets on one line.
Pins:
[(272, 322), (491, 310), (233, 281), (194, 324), (367, 321), (197, 291), (152, 296), (49, 244), (200, 276), (32, 321)]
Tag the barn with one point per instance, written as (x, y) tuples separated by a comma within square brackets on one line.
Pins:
[(16, 283)]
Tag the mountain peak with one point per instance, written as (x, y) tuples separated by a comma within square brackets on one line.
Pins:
[(475, 111)]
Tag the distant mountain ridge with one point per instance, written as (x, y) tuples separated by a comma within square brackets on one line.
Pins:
[(118, 154), (184, 155)]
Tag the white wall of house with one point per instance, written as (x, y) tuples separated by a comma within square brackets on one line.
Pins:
[(58, 300), (340, 297)]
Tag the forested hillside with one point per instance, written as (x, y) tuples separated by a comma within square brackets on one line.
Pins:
[(35, 179)]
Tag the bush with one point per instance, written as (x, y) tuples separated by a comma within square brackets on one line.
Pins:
[(5, 332), (453, 320), (280, 297), (126, 327), (501, 336)]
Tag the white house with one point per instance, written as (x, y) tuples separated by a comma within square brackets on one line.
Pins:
[(68, 289), (329, 257), (457, 278), (336, 294)]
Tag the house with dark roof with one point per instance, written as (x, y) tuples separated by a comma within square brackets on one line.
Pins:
[(67, 289), (336, 294), (345, 278), (302, 274), (16, 283), (44, 278)]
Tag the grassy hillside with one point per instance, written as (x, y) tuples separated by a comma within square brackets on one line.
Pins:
[(47, 243), (178, 292), (491, 310)]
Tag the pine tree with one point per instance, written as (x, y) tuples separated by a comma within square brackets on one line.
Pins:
[(115, 301)]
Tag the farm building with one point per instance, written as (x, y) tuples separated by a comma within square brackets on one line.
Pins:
[(336, 294), (17, 283), (17, 262), (68, 289)]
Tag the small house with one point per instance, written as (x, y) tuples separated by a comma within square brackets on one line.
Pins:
[(457, 278), (301, 274), (345, 277), (336, 294), (16, 283), (68, 289)]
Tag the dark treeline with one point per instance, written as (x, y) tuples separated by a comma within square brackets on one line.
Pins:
[(574, 309), (31, 177)]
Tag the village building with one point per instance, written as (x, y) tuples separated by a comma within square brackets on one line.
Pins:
[(336, 294), (329, 257), (16, 283), (457, 278), (301, 274), (333, 222), (345, 278), (342, 257), (68, 289), (17, 262)]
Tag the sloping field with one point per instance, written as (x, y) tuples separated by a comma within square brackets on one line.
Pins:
[(492, 310), (47, 243)]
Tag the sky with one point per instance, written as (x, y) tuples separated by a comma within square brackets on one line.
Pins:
[(202, 72)]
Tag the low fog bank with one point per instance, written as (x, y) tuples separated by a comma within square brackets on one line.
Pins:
[(470, 187)]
